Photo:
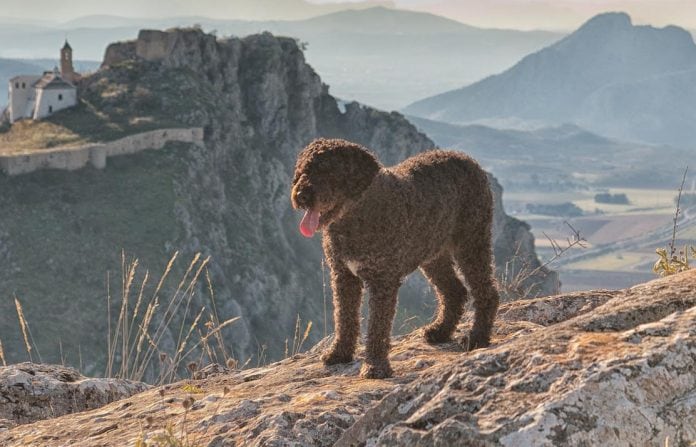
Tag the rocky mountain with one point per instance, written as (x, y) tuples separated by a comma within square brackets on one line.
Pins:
[(589, 368), (258, 102), (609, 76), (383, 57)]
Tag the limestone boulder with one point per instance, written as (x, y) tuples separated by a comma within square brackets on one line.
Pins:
[(30, 392)]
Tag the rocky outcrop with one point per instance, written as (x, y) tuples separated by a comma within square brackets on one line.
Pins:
[(258, 102), (31, 392), (589, 368)]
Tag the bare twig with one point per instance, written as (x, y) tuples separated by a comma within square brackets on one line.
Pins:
[(672, 243), (514, 282)]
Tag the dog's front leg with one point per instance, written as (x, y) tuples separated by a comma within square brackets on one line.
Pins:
[(382, 309), (347, 296)]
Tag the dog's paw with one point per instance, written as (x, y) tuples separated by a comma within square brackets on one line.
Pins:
[(436, 334), (476, 340), (335, 357), (376, 371)]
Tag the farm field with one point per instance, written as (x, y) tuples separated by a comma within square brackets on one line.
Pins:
[(621, 239)]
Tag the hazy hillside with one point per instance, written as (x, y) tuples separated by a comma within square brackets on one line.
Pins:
[(45, 10), (378, 56), (610, 76), (562, 158), (10, 68), (657, 109)]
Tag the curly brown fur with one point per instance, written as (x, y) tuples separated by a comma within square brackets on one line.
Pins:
[(433, 211)]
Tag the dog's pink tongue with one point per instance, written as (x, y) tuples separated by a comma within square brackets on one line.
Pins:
[(310, 223)]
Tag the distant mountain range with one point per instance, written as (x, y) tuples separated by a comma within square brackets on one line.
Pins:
[(611, 77), (383, 57), (560, 158), (106, 13), (553, 14)]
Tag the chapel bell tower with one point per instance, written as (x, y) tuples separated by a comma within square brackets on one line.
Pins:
[(66, 65)]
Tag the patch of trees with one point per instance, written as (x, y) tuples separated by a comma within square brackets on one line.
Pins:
[(614, 199), (566, 209)]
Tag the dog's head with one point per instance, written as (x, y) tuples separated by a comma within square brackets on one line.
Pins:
[(329, 174)]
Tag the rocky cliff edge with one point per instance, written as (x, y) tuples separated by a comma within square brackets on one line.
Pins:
[(588, 368)]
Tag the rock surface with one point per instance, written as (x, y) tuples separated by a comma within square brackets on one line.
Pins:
[(31, 392), (588, 368)]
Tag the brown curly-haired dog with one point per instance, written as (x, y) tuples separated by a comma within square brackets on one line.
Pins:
[(433, 211)]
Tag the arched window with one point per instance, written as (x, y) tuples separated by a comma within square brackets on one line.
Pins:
[(24, 85), (60, 97), (50, 109), (16, 84)]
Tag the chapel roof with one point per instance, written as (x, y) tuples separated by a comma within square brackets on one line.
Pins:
[(25, 78), (52, 80)]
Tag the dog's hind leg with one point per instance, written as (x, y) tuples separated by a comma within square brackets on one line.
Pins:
[(475, 260), (347, 296), (451, 296)]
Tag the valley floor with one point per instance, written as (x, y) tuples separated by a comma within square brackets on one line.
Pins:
[(621, 239)]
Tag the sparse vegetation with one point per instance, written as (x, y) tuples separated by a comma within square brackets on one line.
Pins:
[(27, 135), (147, 322), (672, 260), (26, 332), (514, 280), (298, 340), (136, 342), (669, 264)]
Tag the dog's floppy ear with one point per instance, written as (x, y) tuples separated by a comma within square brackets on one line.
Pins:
[(361, 166)]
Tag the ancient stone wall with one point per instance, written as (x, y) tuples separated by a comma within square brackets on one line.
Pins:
[(96, 155)]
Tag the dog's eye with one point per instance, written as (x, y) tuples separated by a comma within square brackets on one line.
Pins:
[(303, 197)]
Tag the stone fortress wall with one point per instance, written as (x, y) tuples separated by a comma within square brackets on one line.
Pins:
[(96, 154)]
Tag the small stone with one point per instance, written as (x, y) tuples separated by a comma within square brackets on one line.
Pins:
[(331, 394)]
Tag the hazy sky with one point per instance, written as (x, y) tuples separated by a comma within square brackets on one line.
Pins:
[(552, 14), (557, 14), (520, 14)]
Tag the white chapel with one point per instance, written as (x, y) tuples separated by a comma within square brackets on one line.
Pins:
[(37, 97)]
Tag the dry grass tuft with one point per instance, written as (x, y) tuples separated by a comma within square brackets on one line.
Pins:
[(136, 344), (2, 354), (298, 339), (670, 260), (26, 332)]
